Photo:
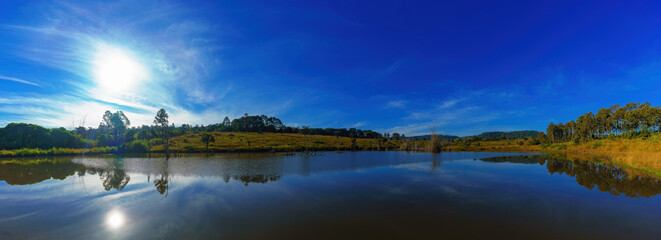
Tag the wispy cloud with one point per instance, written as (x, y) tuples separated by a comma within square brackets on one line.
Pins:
[(462, 112), (358, 124), (450, 103), (18, 80), (177, 57), (395, 104)]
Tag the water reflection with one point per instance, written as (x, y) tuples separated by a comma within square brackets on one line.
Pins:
[(162, 184), (31, 171), (591, 174), (115, 177), (367, 194), (115, 219), (114, 172)]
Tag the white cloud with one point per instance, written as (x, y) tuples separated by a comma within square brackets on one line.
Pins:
[(395, 104), (176, 60), (358, 124), (18, 80)]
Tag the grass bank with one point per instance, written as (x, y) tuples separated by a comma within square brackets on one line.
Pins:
[(637, 153), (32, 152)]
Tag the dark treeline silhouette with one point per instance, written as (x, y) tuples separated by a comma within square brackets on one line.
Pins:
[(262, 123), (428, 137), (630, 120), (508, 135), (23, 135), (115, 130)]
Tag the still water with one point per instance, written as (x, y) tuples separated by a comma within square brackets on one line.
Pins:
[(327, 196)]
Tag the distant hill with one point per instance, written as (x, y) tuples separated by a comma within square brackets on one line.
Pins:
[(510, 135), (427, 137)]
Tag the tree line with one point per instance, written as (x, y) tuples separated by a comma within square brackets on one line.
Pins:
[(630, 120), (115, 130)]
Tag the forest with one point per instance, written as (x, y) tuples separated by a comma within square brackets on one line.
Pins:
[(630, 120)]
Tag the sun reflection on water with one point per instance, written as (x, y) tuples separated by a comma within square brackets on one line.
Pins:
[(115, 219)]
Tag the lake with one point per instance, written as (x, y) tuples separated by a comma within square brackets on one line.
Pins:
[(367, 195)]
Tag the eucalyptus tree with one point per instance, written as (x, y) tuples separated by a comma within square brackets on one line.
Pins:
[(115, 125), (162, 120)]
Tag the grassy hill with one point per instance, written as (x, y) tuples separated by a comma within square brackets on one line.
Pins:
[(279, 142)]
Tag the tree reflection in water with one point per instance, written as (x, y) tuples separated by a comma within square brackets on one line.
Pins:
[(115, 177), (31, 171), (162, 184), (114, 172), (606, 177)]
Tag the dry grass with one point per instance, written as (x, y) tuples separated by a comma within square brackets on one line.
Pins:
[(638, 153), (280, 142)]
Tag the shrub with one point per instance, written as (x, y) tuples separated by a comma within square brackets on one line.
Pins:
[(137, 146), (576, 140), (545, 145), (534, 142), (189, 148), (520, 143), (597, 144), (156, 141)]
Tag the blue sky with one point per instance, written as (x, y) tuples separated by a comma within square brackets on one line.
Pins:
[(463, 67)]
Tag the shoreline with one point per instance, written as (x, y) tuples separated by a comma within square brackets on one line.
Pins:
[(638, 154)]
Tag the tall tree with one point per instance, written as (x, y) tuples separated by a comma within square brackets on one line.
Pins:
[(115, 124), (226, 122), (161, 119)]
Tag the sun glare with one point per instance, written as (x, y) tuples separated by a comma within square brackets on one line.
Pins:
[(115, 70), (115, 219)]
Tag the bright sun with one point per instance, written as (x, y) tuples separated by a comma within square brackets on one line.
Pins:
[(115, 70)]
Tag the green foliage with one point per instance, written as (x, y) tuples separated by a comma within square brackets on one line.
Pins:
[(115, 125), (137, 146), (545, 145), (102, 140), (23, 135), (597, 144), (561, 146), (509, 135), (207, 139), (31, 152), (534, 142), (156, 141), (628, 121), (520, 143), (576, 140)]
